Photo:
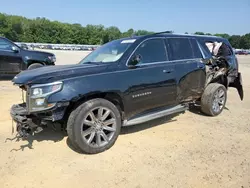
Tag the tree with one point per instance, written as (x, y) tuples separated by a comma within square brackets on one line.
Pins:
[(143, 32), (42, 30), (111, 33), (235, 41), (199, 33), (128, 33), (224, 35)]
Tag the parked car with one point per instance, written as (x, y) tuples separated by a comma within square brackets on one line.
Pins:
[(242, 52), (22, 45), (126, 82), (14, 59)]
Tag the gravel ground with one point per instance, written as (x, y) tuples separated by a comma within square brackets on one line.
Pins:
[(188, 150)]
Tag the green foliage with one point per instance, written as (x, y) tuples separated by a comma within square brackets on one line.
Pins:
[(42, 30), (199, 33), (224, 35)]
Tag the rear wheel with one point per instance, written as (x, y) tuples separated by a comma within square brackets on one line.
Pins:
[(213, 99), (94, 126)]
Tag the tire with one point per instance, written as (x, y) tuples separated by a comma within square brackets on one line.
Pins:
[(34, 66), (81, 122), (213, 99)]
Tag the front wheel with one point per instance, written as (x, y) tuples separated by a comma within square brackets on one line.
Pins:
[(35, 66), (94, 126), (213, 99)]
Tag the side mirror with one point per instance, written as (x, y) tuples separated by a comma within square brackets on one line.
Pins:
[(135, 60), (14, 49)]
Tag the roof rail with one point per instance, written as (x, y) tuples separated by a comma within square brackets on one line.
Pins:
[(163, 32)]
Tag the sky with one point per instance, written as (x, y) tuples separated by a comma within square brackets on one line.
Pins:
[(214, 16)]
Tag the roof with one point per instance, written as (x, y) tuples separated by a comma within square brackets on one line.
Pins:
[(162, 34)]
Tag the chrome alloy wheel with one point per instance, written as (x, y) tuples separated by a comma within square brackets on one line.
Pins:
[(99, 126), (218, 100)]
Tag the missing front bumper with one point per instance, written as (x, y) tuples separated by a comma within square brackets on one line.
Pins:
[(25, 124)]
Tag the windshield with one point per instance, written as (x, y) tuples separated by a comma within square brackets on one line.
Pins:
[(109, 52)]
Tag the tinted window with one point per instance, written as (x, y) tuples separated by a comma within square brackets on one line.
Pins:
[(180, 48), (5, 45), (152, 50), (196, 50)]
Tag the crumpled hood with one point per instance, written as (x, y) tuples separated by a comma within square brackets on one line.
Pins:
[(58, 72)]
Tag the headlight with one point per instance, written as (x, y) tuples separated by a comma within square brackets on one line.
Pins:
[(52, 58), (37, 91), (38, 98), (45, 89)]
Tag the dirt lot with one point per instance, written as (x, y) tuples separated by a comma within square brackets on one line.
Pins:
[(189, 150)]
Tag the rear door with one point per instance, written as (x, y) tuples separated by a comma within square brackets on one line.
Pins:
[(189, 67), (153, 81), (10, 61)]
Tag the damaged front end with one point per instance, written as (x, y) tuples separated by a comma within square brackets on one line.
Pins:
[(37, 112)]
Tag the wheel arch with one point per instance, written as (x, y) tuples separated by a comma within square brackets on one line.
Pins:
[(222, 79), (113, 97), (30, 62)]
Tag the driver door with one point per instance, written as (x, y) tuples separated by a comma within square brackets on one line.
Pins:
[(10, 61), (152, 82)]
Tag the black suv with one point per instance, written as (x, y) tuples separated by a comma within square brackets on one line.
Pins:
[(14, 59), (126, 82)]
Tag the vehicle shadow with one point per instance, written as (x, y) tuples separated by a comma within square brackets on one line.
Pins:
[(196, 109), (75, 148), (47, 134)]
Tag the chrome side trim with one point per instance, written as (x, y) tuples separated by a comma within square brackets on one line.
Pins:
[(154, 115), (160, 62)]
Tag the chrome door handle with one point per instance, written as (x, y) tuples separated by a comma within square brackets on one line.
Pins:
[(168, 70)]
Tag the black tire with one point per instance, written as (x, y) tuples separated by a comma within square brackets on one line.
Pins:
[(209, 98), (75, 126), (34, 66)]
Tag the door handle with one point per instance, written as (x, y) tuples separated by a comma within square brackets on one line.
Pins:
[(168, 70)]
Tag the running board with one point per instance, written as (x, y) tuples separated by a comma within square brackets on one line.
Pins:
[(154, 115)]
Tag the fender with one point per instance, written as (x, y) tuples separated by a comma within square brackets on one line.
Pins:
[(237, 83)]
